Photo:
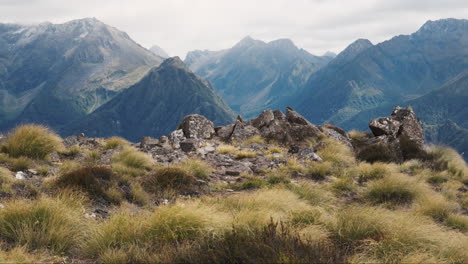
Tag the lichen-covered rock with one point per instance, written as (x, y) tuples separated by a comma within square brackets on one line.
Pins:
[(197, 126), (176, 137), (264, 119), (148, 142), (385, 126)]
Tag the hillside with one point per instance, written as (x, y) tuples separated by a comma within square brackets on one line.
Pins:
[(154, 105), (273, 189), (254, 75), (55, 73), (400, 69)]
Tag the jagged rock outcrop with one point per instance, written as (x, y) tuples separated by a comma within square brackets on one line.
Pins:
[(400, 135), (197, 126), (402, 122), (289, 128)]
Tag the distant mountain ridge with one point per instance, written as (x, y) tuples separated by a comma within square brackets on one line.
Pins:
[(155, 105), (254, 75), (394, 71), (54, 73)]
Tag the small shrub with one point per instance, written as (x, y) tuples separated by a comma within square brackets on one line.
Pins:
[(169, 178), (457, 221), (21, 164), (53, 224), (32, 141), (133, 158), (114, 142), (93, 180), (393, 190), (377, 152)]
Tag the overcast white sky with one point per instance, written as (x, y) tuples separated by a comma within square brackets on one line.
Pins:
[(179, 26)]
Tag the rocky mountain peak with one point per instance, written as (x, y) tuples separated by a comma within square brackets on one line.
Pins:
[(282, 44), (247, 42), (158, 51), (443, 26), (353, 50), (174, 62)]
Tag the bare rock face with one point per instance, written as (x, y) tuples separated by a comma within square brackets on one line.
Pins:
[(385, 126), (264, 119), (402, 122), (197, 126), (400, 136), (176, 137)]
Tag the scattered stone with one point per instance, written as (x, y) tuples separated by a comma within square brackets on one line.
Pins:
[(20, 175), (197, 126), (309, 153), (32, 171), (148, 142), (189, 145)]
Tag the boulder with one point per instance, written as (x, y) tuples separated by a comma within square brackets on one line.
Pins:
[(242, 132), (264, 119), (411, 126), (295, 118), (224, 132), (384, 126), (176, 137), (197, 126)]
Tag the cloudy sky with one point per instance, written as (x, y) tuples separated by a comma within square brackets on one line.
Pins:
[(179, 26)]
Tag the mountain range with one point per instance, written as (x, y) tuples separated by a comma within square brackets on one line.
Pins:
[(254, 75), (86, 76)]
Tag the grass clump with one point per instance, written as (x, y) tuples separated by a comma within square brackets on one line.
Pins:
[(377, 153), (114, 142), (170, 178), (270, 243), (32, 141), (437, 207), (357, 224), (133, 158), (227, 149), (196, 167), (21, 164), (367, 172), (94, 180), (392, 190), (340, 155), (457, 221), (245, 154), (53, 224), (250, 183), (255, 139)]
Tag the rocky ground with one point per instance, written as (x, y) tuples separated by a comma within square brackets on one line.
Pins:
[(388, 171)]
